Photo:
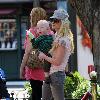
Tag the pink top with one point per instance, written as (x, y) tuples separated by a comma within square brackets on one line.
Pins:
[(35, 74)]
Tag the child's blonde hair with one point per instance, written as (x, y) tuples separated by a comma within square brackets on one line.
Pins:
[(63, 31), (43, 23)]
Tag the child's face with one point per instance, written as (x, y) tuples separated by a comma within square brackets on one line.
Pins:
[(41, 30)]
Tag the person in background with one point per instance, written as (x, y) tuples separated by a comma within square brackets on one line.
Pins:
[(35, 76), (43, 43), (61, 50), (3, 88)]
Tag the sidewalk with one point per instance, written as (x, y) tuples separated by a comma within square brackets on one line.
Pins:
[(17, 88)]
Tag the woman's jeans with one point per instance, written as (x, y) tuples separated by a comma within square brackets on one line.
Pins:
[(56, 88)]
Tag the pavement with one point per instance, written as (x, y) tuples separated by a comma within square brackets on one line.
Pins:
[(17, 88)]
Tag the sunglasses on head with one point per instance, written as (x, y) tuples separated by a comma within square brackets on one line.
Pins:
[(55, 20)]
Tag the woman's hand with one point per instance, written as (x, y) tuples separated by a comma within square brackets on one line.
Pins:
[(42, 56)]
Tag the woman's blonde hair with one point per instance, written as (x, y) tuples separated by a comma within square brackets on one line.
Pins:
[(36, 15), (63, 31)]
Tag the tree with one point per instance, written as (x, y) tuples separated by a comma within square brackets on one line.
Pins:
[(89, 13)]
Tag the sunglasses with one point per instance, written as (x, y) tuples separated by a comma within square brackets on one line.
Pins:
[(55, 20)]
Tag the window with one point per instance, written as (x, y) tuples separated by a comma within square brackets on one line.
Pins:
[(24, 27), (8, 35)]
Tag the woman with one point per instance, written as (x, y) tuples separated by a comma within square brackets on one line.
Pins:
[(36, 76), (61, 50)]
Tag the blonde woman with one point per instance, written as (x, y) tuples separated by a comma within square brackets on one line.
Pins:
[(35, 76), (61, 50)]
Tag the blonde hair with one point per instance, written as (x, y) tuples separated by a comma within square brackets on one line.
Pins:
[(63, 31), (43, 23), (36, 15)]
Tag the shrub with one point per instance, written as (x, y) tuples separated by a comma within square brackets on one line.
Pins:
[(74, 87), (71, 84), (27, 87), (81, 89)]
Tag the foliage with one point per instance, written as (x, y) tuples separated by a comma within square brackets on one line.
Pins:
[(81, 89), (27, 87), (70, 85), (98, 91), (76, 86)]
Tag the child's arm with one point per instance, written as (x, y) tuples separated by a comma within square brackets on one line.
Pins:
[(32, 39), (31, 36)]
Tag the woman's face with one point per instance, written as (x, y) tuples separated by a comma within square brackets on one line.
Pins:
[(56, 24)]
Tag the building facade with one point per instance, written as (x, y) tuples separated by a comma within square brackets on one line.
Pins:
[(14, 21)]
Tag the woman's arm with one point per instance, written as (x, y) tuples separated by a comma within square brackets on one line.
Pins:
[(25, 58), (57, 56)]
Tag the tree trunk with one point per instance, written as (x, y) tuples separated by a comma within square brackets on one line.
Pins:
[(96, 42)]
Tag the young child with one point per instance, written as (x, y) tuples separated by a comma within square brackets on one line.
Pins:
[(43, 43)]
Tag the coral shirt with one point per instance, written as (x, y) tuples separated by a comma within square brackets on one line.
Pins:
[(35, 74)]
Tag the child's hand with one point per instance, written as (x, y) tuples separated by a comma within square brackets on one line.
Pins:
[(42, 56), (31, 36)]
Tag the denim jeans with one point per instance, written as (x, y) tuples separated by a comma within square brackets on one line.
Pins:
[(46, 92), (56, 88)]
